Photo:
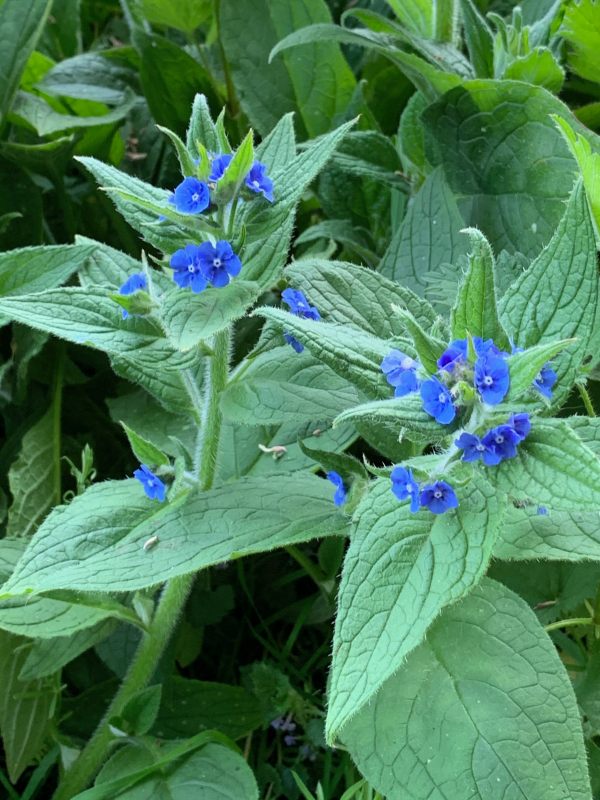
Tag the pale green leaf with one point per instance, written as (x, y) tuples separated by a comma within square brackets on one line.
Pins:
[(581, 29), (45, 120), (144, 450), (483, 709), (400, 571), (403, 415)]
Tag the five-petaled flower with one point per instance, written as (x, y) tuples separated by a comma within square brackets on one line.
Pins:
[(339, 498), (218, 263), (492, 378), (192, 196), (400, 371), (545, 380), (300, 307), (439, 497), (153, 486), (500, 443), (405, 487), (186, 268), (472, 446), (437, 401), (134, 283), (259, 182), (218, 166)]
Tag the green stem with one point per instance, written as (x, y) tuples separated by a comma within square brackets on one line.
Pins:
[(141, 670), (210, 430), (312, 570), (174, 595), (569, 623), (587, 400)]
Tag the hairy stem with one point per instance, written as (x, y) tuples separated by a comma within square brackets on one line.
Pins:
[(587, 400), (174, 595)]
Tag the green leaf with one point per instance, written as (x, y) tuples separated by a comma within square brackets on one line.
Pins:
[(21, 25), (581, 29), (201, 128), (278, 148), (552, 468), (44, 618), (207, 770), (484, 709), (26, 707), (400, 571), (539, 67), (428, 237), (416, 15), (140, 712), (47, 656), (565, 269), (186, 162), (315, 81), (34, 269), (249, 516), (557, 535), (143, 450), (495, 140), (283, 386), (331, 286), (355, 356), (402, 415), (589, 165), (524, 368), (190, 318), (190, 706), (88, 76), (479, 39), (170, 78), (186, 16), (45, 120), (428, 348), (475, 312), (237, 170), (32, 477)]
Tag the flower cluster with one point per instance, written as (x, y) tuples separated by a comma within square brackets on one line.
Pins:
[(300, 307), (213, 263), (438, 497), (468, 373), (497, 444)]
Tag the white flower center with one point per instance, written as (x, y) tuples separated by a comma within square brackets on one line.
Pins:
[(488, 380), (480, 447), (195, 197), (256, 184), (217, 263), (191, 268), (442, 398), (407, 363), (438, 494), (499, 438)]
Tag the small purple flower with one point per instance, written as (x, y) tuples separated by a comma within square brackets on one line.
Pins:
[(307, 753), (400, 371), (259, 182), (454, 354), (437, 401), (472, 447), (218, 166), (339, 498), (439, 497), (191, 196), (521, 424), (218, 263), (134, 283), (405, 487), (542, 511), (545, 380), (500, 443), (300, 307), (153, 486), (186, 269), (285, 725), (492, 378)]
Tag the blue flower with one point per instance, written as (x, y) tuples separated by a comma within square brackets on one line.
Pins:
[(218, 166), (500, 443), (186, 266), (521, 424), (545, 380), (339, 498), (542, 511), (218, 262), (472, 446), (492, 378), (400, 371), (299, 306), (404, 486), (455, 353), (133, 284), (439, 497), (437, 401), (153, 486), (191, 196), (258, 181)]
